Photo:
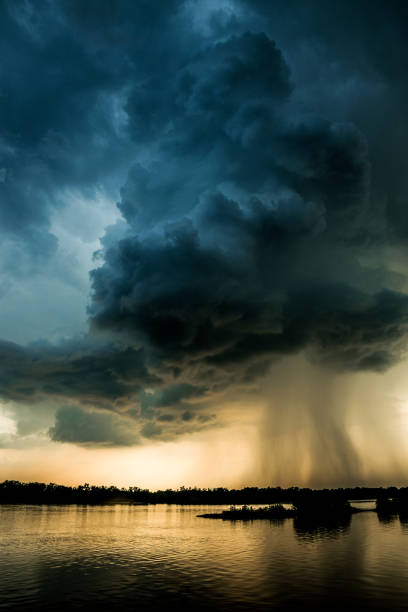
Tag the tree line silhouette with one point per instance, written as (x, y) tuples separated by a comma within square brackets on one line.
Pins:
[(15, 492)]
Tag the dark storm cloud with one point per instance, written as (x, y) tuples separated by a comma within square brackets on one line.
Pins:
[(172, 396), (49, 80), (95, 375), (259, 188), (237, 227), (66, 66), (189, 125), (74, 424), (350, 59)]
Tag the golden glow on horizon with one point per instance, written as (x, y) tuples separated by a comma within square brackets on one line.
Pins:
[(284, 442), (210, 459)]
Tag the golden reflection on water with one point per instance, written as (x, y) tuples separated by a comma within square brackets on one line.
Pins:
[(73, 556)]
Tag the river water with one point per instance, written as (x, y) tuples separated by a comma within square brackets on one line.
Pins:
[(156, 557)]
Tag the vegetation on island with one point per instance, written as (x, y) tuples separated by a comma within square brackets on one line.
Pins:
[(273, 512), (306, 505)]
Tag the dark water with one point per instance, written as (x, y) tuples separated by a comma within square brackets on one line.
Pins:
[(157, 557)]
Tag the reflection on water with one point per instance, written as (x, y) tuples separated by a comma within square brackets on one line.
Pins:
[(387, 519), (312, 530), (403, 518), (145, 558)]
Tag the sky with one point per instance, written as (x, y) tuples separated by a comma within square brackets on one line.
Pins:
[(204, 242)]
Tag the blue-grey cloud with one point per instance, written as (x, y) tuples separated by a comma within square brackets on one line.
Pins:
[(239, 260), (74, 424), (92, 374), (61, 103), (259, 191)]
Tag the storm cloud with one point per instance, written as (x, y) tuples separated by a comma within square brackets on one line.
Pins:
[(261, 199), (245, 232), (74, 424)]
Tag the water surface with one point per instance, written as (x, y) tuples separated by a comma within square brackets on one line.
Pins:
[(152, 557)]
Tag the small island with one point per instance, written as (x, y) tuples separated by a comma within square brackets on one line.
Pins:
[(273, 512), (309, 506)]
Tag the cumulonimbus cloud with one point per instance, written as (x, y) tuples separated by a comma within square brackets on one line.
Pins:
[(248, 219)]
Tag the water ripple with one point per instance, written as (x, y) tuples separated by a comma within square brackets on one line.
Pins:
[(124, 557)]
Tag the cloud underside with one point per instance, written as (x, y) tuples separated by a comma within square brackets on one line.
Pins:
[(254, 210)]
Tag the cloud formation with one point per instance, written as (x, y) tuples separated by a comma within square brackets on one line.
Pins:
[(240, 260), (258, 199), (74, 424)]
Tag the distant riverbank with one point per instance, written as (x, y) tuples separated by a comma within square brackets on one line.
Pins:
[(15, 492)]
